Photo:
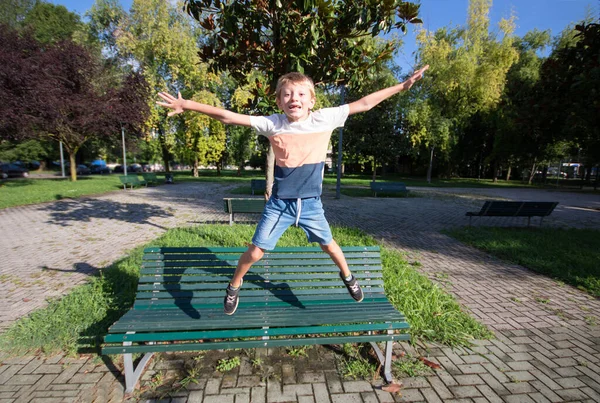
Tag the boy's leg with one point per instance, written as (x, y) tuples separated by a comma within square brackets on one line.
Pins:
[(252, 255), (313, 222), (273, 223), (336, 254)]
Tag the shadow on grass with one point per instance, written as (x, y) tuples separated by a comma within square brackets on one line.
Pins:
[(65, 212)]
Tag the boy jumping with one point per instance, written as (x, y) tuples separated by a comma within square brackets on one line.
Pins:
[(300, 138)]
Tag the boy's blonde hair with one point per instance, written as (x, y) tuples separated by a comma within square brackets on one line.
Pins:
[(295, 78)]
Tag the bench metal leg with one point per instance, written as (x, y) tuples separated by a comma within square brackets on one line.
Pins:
[(385, 361), (133, 375)]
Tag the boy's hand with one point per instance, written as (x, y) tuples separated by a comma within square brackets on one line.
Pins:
[(171, 102), (416, 76)]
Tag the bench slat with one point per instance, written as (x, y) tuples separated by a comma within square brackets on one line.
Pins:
[(239, 250), (194, 284), (198, 275), (256, 317), (277, 292), (251, 301), (236, 333), (253, 344)]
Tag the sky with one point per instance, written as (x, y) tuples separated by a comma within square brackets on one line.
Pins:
[(553, 15)]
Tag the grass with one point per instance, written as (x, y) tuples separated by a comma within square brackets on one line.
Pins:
[(568, 255), (77, 322), (29, 191), (37, 190)]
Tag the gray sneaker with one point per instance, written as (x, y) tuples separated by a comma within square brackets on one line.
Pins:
[(231, 301), (353, 288)]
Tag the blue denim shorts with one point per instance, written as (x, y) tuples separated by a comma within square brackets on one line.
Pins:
[(279, 214)]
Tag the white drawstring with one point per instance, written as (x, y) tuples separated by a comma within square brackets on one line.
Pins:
[(298, 210)]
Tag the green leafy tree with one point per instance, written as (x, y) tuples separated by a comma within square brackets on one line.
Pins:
[(204, 138), (13, 12), (52, 23), (160, 38), (467, 76), (569, 91), (375, 138), (323, 39)]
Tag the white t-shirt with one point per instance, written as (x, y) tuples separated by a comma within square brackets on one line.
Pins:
[(300, 149)]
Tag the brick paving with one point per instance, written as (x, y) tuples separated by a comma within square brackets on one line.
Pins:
[(547, 345)]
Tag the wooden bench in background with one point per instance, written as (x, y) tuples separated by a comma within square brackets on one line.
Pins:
[(233, 205), (388, 187), (131, 180), (499, 208), (258, 185), (291, 297)]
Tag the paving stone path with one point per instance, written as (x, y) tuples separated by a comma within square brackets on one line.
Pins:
[(547, 345)]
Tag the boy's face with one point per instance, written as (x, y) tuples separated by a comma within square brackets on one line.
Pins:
[(296, 101)]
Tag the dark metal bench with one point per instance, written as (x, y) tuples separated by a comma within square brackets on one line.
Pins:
[(514, 209), (291, 297), (258, 185), (131, 180), (233, 205), (388, 187)]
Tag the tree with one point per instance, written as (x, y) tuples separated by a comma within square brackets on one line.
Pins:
[(13, 12), (323, 39), (519, 139), (161, 40), (467, 76), (375, 137), (52, 92), (204, 138), (52, 23), (570, 88)]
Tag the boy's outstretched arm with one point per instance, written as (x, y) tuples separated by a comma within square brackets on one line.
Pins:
[(222, 115), (367, 102)]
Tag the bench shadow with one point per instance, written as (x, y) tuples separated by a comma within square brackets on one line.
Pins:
[(67, 211), (183, 298), (120, 283)]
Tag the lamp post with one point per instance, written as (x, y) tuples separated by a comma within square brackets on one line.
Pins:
[(62, 160), (124, 156)]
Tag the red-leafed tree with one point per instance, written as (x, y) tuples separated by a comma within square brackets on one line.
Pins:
[(62, 92)]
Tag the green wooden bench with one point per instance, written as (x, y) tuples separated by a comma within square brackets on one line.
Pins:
[(131, 180), (388, 187), (233, 205), (500, 208), (258, 185), (150, 178), (291, 297)]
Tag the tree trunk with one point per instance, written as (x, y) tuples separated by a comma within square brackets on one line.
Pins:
[(374, 167), (163, 148), (195, 168), (269, 172), (495, 177), (532, 173), (508, 173), (73, 167)]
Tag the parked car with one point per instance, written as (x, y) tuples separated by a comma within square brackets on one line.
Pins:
[(99, 169), (13, 170), (118, 169), (135, 168), (83, 170)]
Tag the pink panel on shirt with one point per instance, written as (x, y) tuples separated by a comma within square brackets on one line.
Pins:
[(294, 150)]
